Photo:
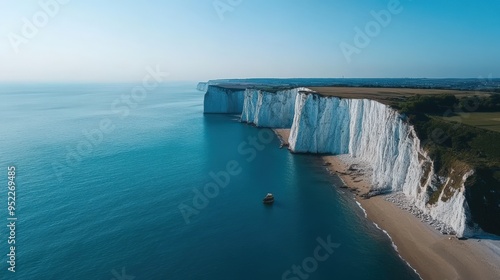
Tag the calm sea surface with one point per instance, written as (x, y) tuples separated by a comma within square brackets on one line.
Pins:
[(112, 187)]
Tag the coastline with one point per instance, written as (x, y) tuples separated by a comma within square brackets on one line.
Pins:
[(283, 135), (432, 254)]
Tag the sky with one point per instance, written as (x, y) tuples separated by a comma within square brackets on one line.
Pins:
[(198, 40)]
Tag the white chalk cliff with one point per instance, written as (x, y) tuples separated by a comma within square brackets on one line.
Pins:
[(270, 109), (378, 135), (220, 100), (365, 129)]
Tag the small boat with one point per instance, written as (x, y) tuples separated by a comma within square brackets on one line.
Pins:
[(269, 199)]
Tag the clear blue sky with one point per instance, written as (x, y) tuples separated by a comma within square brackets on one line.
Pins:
[(90, 40)]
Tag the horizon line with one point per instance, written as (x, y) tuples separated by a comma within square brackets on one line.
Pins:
[(242, 78)]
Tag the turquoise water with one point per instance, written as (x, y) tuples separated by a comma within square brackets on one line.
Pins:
[(119, 204)]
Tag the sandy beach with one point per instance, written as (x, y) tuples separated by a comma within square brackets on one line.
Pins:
[(283, 135), (432, 254)]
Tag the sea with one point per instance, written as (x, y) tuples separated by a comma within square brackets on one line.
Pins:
[(113, 182)]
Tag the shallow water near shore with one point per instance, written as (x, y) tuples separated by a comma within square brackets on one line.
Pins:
[(114, 208)]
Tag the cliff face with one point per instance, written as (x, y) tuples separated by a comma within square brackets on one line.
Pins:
[(364, 129), (378, 135), (367, 130), (223, 100), (270, 109)]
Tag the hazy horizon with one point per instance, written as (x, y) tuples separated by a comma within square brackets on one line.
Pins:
[(90, 41)]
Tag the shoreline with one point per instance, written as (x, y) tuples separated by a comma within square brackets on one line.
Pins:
[(431, 254), (283, 135)]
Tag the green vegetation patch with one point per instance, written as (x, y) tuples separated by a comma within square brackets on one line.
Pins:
[(450, 133), (428, 104), (484, 120)]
